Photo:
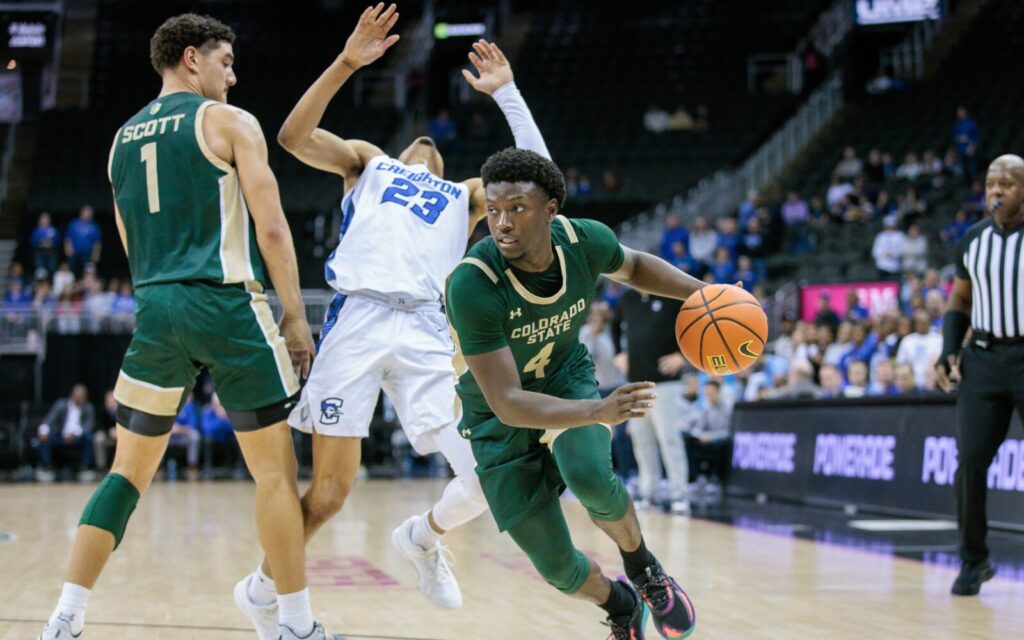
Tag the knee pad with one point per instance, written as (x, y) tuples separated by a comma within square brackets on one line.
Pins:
[(111, 505), (462, 500)]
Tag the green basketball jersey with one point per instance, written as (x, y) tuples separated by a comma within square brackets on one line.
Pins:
[(182, 206), (491, 305)]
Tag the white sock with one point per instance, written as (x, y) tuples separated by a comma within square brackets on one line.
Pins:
[(261, 588), (295, 612), (73, 599), (423, 534)]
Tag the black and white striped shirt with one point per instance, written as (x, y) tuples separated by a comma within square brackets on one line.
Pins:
[(991, 258)]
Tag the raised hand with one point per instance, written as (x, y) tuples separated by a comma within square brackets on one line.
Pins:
[(492, 66), (370, 39)]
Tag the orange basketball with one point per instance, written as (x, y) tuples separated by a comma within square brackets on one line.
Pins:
[(721, 329)]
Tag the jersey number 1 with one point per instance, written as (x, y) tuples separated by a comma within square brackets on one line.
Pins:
[(538, 362), (152, 185)]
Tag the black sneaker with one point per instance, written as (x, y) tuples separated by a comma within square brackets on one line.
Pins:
[(972, 574), (670, 606), (631, 628)]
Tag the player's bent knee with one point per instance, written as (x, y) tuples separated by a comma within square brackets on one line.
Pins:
[(111, 505), (565, 574), (320, 504)]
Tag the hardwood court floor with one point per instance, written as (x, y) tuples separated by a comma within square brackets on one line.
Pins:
[(187, 544)]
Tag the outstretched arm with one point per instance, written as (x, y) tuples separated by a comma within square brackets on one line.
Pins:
[(651, 274), (300, 134), (496, 80)]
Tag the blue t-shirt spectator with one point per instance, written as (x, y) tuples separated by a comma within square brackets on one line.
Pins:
[(188, 416), (215, 427), (747, 276), (17, 299), (46, 238), (83, 236), (730, 241), (965, 133), (123, 305), (724, 272), (672, 236)]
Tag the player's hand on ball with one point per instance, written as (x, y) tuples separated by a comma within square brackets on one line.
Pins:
[(492, 66), (947, 373), (370, 38), (299, 340), (633, 400)]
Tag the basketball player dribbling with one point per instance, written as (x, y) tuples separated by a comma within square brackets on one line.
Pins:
[(404, 229), (532, 410)]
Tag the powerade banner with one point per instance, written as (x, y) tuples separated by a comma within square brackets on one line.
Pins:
[(878, 297), (889, 455)]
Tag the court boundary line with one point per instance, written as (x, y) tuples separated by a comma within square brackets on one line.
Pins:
[(154, 625)]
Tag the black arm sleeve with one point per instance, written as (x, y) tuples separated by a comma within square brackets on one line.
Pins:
[(954, 327)]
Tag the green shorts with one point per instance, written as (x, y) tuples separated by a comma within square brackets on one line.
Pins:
[(517, 469), (183, 326)]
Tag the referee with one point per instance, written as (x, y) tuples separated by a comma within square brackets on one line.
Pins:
[(988, 298)]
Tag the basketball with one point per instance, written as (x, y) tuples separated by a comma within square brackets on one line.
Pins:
[(721, 329)]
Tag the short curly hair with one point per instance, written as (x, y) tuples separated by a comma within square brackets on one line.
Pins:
[(521, 165), (180, 32)]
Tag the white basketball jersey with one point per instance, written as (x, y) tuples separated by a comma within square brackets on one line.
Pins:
[(403, 231)]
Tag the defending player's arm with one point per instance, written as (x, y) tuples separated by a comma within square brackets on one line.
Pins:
[(248, 151), (477, 314), (300, 134), (496, 80)]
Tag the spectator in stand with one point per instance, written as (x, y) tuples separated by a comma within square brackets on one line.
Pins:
[(63, 279), (931, 168), (935, 305), (572, 182), (800, 384), (444, 131), (745, 273), (16, 272), (83, 240), (782, 346), (729, 236), (596, 336), (910, 207), (952, 232), (104, 439), (69, 313), (888, 249), (932, 282), (17, 302), (709, 440), (45, 243), (95, 306), (951, 166), (850, 166), (479, 127), (681, 259), (911, 169), (723, 268), (883, 381), (914, 256), (906, 383), (795, 210), (122, 309), (185, 438), (656, 119), (889, 165), (219, 442), (748, 209), (681, 120), (920, 349), (856, 379), (703, 241), (855, 311), (966, 137), (874, 168), (584, 187), (843, 344), (975, 203), (817, 212), (884, 204), (837, 192), (43, 300), (826, 314), (674, 232), (754, 245), (67, 427), (862, 345), (831, 382), (610, 182)]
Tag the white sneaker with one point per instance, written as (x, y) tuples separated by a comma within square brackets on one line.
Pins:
[(437, 581), (59, 630), (680, 507), (284, 632), (262, 617)]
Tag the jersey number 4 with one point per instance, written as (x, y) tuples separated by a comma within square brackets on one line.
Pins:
[(431, 203), (538, 362)]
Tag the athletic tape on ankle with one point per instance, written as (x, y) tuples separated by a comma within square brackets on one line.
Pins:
[(111, 506)]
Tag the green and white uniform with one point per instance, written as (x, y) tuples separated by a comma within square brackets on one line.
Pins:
[(492, 305), (196, 268)]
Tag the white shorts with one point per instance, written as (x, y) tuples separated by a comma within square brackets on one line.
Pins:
[(365, 347)]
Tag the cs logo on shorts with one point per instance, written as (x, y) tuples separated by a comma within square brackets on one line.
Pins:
[(718, 364), (330, 410)]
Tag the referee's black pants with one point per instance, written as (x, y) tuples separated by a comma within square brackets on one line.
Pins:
[(991, 388)]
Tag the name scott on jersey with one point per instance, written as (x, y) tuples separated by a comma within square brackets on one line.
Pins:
[(547, 328)]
